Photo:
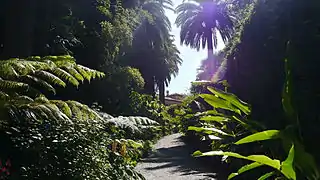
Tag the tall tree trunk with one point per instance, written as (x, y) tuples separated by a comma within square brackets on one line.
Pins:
[(161, 91), (149, 85), (19, 25), (210, 56)]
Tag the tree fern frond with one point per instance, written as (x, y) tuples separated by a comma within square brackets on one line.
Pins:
[(21, 98), (76, 112), (84, 109), (84, 73), (104, 115), (39, 82), (134, 123), (42, 99), (66, 76), (43, 109), (74, 73), (58, 114), (4, 96), (63, 106), (63, 67), (50, 77), (13, 85)]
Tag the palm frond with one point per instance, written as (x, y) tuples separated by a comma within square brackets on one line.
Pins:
[(196, 19)]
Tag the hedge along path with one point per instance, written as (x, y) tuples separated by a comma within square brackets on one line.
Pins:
[(172, 160)]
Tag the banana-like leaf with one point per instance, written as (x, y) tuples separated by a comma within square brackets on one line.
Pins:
[(287, 165), (234, 100), (260, 136), (209, 112), (217, 102), (208, 130), (286, 94), (265, 160), (218, 119), (245, 169), (267, 175), (213, 137), (305, 162)]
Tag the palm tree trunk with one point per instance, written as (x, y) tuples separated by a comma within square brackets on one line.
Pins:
[(210, 56), (161, 92)]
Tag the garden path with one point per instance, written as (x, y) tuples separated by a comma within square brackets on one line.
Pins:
[(172, 160)]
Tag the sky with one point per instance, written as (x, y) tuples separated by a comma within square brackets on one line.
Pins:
[(191, 58)]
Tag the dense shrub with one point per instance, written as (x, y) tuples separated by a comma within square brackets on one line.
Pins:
[(73, 149)]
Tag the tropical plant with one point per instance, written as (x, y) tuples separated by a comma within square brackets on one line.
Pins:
[(298, 163), (55, 139), (158, 57), (169, 66), (24, 82), (202, 23)]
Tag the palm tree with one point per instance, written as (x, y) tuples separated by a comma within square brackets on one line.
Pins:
[(157, 57), (167, 67), (202, 22)]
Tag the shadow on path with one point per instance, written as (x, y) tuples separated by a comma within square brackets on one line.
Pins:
[(172, 160)]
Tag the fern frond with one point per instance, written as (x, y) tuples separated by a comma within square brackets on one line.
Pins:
[(20, 98), (4, 96), (50, 78), (46, 71), (7, 85), (84, 73), (63, 106), (66, 76), (83, 109), (39, 82), (134, 123), (42, 99), (75, 73), (42, 108)]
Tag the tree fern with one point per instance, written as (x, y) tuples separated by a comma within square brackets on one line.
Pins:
[(23, 80), (133, 123), (46, 72)]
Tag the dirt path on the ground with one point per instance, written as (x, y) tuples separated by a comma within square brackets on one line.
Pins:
[(173, 161)]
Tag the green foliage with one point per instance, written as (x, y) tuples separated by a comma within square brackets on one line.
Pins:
[(44, 72), (216, 128), (70, 149), (55, 139), (122, 81)]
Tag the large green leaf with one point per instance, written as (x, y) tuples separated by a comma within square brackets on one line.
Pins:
[(260, 136), (267, 175), (244, 169), (217, 102), (287, 165), (244, 107), (208, 130), (218, 119), (209, 112), (286, 94), (305, 162), (265, 160)]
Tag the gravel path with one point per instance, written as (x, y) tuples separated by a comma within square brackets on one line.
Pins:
[(172, 161)]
